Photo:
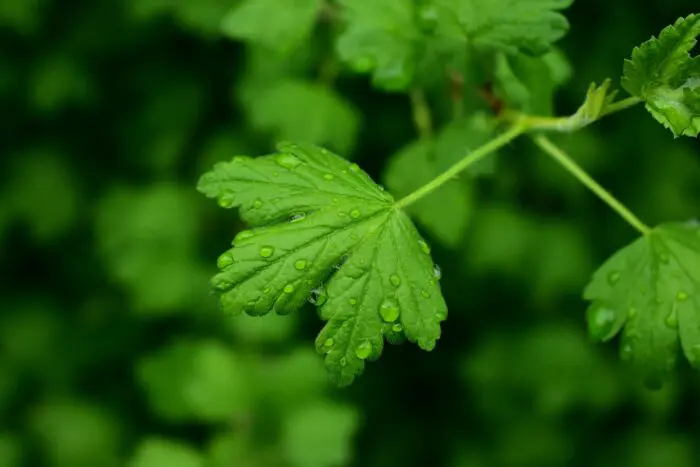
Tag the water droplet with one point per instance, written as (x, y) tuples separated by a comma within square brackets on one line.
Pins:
[(329, 343), (266, 290), (243, 235), (397, 327), (613, 277), (672, 319), (354, 168), (289, 288), (682, 296), (257, 204), (288, 161), (297, 217), (363, 350), (299, 265), (389, 311), (355, 213), (266, 251), (437, 272), (425, 293), (631, 313), (335, 200), (226, 201), (395, 280), (342, 214), (318, 296), (441, 315), (664, 258), (224, 260), (275, 174), (601, 321), (328, 177), (343, 361), (352, 302), (424, 246)]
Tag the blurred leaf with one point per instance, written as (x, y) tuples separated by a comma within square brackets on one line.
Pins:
[(446, 211), (277, 24), (195, 380), (11, 454), (319, 435), (461, 136), (306, 112), (77, 433), (380, 37), (146, 238), (269, 328), (231, 449), (24, 16), (42, 174), (161, 452), (59, 81), (30, 335), (647, 448)]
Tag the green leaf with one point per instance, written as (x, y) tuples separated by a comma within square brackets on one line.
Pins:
[(307, 112), (161, 452), (529, 26), (319, 435), (662, 73), (528, 83), (195, 381), (444, 214), (320, 221), (652, 288), (381, 37), (277, 24)]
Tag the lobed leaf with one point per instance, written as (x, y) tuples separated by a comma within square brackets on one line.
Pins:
[(322, 229), (652, 289), (663, 74)]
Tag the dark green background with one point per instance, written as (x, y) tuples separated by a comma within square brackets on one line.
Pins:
[(112, 347)]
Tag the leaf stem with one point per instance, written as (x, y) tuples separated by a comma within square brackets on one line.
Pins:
[(422, 118), (568, 163), (471, 158)]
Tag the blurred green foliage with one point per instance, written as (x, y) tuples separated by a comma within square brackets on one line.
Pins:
[(112, 349)]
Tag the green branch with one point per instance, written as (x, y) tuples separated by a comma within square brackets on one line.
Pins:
[(470, 159), (565, 161)]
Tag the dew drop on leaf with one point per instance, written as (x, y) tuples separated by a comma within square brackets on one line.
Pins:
[(318, 296), (226, 201), (389, 310), (601, 320), (682, 296), (300, 216), (440, 315), (395, 280), (257, 204), (425, 293), (363, 350), (437, 272), (266, 251), (288, 161), (300, 265), (224, 260), (397, 327), (672, 319), (613, 277), (329, 343), (355, 213), (424, 246), (352, 302), (354, 168), (243, 235), (328, 177), (289, 288)]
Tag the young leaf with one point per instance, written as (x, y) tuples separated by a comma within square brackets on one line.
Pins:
[(320, 221), (380, 37), (662, 73), (444, 215), (529, 26), (278, 24), (652, 288)]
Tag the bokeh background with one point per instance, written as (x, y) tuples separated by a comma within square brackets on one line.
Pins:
[(113, 351)]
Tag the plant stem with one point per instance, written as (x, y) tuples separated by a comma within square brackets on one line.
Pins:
[(422, 118), (471, 158), (568, 163), (621, 105)]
